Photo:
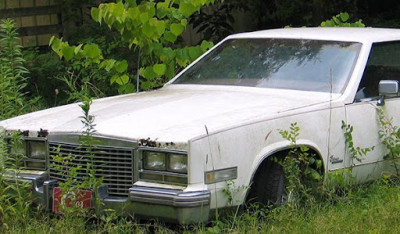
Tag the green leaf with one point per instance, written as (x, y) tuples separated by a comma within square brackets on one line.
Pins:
[(121, 80), (126, 88), (124, 79), (187, 8), (51, 40), (78, 48), (121, 66), (133, 13), (68, 52), (118, 10), (144, 17), (114, 79), (177, 29), (110, 64), (148, 73), (92, 51), (148, 30), (160, 26), (160, 69), (95, 13), (194, 52), (344, 16), (169, 36), (206, 45), (170, 73)]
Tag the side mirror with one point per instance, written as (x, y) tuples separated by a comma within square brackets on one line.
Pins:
[(387, 88)]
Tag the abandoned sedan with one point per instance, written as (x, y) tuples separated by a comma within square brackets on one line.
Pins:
[(171, 153)]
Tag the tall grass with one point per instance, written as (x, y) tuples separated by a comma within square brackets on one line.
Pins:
[(372, 208)]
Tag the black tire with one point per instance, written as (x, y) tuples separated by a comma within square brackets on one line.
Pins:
[(268, 188)]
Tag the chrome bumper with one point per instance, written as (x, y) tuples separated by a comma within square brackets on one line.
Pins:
[(143, 202), (171, 205)]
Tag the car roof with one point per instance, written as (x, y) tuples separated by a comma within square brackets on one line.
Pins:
[(363, 35)]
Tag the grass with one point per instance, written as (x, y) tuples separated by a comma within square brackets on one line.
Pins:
[(372, 208)]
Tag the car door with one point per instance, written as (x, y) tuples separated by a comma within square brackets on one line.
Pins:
[(362, 114)]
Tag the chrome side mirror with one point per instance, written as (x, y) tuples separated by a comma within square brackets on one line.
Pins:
[(387, 88)]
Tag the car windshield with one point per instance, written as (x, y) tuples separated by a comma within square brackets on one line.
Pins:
[(310, 65)]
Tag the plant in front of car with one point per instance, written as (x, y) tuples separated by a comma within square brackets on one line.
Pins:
[(15, 195), (341, 183), (301, 167), (390, 137), (356, 153), (81, 182)]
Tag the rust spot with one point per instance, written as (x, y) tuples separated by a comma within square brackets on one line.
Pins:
[(25, 133), (147, 142), (43, 133)]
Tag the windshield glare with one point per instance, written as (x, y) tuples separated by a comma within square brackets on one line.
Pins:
[(311, 65)]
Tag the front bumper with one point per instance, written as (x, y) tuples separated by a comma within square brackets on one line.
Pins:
[(169, 205)]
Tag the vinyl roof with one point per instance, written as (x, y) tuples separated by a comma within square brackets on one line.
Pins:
[(364, 35)]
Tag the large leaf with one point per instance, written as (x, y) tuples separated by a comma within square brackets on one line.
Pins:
[(169, 36), (160, 69), (187, 8), (177, 29), (95, 13), (68, 52), (92, 51), (121, 66)]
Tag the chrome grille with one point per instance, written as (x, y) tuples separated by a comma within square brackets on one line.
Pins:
[(114, 164)]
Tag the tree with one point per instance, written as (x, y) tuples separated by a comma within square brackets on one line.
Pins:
[(151, 28)]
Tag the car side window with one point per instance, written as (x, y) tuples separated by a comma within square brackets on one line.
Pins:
[(383, 64)]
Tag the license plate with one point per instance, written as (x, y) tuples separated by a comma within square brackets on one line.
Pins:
[(80, 199)]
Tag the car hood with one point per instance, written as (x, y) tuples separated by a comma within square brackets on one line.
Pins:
[(175, 113)]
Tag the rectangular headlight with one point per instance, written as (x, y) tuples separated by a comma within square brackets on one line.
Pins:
[(37, 149), (177, 163), (18, 148), (168, 167), (154, 160)]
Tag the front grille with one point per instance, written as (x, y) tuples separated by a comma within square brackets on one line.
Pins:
[(114, 164)]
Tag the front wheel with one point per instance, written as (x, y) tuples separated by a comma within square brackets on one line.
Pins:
[(269, 187)]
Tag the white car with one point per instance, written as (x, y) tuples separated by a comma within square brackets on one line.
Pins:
[(169, 153)]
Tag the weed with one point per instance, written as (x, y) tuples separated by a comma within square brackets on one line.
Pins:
[(390, 137), (15, 194), (75, 184), (13, 100), (301, 168), (356, 153)]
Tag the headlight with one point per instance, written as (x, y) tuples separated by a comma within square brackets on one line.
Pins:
[(154, 160), (164, 167), (37, 150), (18, 148), (31, 152), (177, 163)]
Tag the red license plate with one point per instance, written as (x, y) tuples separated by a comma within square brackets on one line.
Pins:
[(81, 199)]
